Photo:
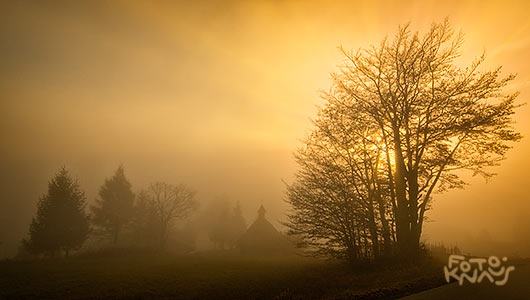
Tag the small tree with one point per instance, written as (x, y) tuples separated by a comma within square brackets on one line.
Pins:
[(114, 207), (216, 219), (61, 223), (218, 230), (145, 224), (338, 206), (238, 226), (164, 204), (225, 225)]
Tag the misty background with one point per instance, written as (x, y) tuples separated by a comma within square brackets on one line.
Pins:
[(217, 95)]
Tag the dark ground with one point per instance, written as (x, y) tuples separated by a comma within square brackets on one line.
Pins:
[(517, 287), (209, 277)]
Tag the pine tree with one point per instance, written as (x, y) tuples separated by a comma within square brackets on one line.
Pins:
[(114, 207), (61, 223)]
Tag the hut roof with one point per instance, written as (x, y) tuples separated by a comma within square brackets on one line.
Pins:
[(262, 237)]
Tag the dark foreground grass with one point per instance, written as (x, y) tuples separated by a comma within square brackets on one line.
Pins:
[(209, 277)]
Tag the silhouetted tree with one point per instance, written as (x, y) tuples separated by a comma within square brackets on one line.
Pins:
[(338, 199), (219, 226), (145, 224), (237, 225), (429, 118), (114, 206), (61, 223), (434, 116), (227, 226), (163, 204)]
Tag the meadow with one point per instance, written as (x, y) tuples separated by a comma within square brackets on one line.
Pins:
[(212, 276)]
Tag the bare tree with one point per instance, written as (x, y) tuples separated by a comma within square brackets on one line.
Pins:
[(337, 199), (167, 203), (428, 118), (434, 117)]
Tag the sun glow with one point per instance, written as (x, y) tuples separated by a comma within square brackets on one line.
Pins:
[(211, 93)]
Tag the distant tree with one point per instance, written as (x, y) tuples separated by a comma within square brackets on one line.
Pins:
[(61, 223), (114, 206), (217, 221), (219, 228), (162, 205), (145, 224), (226, 225), (237, 226)]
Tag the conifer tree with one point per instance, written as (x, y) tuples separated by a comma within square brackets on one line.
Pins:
[(114, 206), (61, 224)]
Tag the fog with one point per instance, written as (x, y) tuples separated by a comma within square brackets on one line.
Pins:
[(218, 96)]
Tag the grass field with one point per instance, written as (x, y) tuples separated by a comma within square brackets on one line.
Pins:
[(208, 277)]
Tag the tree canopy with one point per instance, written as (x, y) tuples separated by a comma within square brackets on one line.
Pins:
[(114, 207), (61, 223), (159, 207), (401, 121)]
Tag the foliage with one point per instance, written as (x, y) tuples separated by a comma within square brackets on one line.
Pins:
[(61, 223), (114, 206)]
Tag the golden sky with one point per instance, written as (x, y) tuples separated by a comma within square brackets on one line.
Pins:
[(219, 94)]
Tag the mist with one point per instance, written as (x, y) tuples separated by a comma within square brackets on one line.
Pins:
[(218, 96)]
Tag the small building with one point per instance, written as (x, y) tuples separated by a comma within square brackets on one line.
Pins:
[(261, 238)]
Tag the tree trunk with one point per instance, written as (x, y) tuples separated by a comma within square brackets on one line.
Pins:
[(387, 242), (402, 218), (372, 227), (414, 238), (351, 251)]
